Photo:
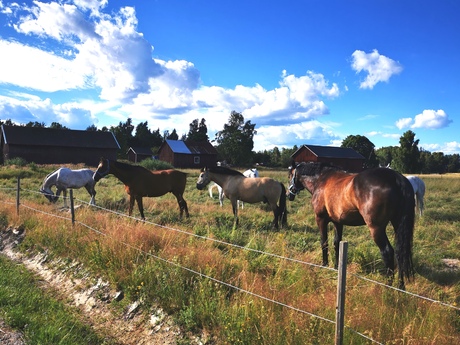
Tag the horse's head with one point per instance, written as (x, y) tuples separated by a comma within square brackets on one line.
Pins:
[(103, 169), (49, 195), (203, 179), (295, 186)]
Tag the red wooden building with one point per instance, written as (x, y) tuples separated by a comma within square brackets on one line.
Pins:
[(188, 154), (57, 146), (346, 158)]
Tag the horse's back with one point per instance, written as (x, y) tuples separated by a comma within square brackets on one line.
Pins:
[(258, 189), (159, 182)]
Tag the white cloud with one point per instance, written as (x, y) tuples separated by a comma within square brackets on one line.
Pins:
[(378, 67), (429, 119), (404, 123), (103, 70)]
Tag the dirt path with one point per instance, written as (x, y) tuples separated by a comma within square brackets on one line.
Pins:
[(93, 297)]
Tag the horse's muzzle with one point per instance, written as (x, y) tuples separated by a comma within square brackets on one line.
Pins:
[(200, 186)]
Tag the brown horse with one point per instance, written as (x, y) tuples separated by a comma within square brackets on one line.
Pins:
[(373, 197), (236, 187), (140, 182)]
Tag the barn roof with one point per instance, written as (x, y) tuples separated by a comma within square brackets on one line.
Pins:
[(331, 152), (178, 146), (38, 136), (201, 147)]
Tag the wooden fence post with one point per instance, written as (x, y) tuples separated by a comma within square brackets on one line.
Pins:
[(72, 209), (341, 287), (18, 187)]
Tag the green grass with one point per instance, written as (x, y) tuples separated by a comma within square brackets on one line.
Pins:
[(238, 318), (25, 306)]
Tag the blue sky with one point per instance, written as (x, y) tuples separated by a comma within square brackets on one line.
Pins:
[(305, 72)]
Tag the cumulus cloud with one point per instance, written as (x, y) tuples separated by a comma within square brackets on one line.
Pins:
[(102, 67), (378, 67), (429, 119)]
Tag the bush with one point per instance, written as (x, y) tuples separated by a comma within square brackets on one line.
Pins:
[(154, 164), (18, 161)]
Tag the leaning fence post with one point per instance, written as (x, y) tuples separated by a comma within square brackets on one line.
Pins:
[(18, 187), (72, 210), (341, 286)]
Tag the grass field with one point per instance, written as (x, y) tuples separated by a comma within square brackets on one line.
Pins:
[(163, 253)]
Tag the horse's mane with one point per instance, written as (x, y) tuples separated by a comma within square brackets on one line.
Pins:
[(316, 168), (224, 171)]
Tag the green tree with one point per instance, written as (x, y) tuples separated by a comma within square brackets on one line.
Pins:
[(124, 135), (385, 155), (92, 128), (198, 131), (365, 147), (36, 124), (143, 136), (236, 141), (407, 157), (57, 125)]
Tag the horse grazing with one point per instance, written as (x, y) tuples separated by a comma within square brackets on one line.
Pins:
[(252, 190), (140, 182), (419, 191), (373, 197), (220, 192), (64, 178)]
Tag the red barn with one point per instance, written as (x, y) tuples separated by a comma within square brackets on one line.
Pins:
[(188, 154), (346, 158), (57, 146)]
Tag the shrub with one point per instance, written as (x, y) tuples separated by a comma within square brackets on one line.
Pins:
[(154, 164)]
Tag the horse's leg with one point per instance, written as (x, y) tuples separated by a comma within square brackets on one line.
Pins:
[(92, 192), (276, 215), (64, 193), (386, 250), (235, 212), (141, 206), (322, 225), (337, 238), (182, 204), (131, 204), (221, 195)]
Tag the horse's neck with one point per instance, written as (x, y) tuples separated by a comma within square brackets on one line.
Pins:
[(117, 170), (221, 179), (50, 181)]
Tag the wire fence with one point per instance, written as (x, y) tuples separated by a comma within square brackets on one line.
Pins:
[(19, 203)]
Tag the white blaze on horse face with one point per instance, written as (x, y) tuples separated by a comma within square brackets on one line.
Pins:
[(203, 180)]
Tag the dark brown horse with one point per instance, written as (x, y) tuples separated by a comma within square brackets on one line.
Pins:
[(140, 182), (236, 187), (373, 197)]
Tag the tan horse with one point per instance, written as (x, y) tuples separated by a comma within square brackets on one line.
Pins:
[(140, 182), (251, 190)]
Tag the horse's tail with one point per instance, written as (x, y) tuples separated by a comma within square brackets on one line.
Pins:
[(405, 232), (282, 212)]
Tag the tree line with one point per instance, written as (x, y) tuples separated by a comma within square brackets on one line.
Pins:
[(235, 144)]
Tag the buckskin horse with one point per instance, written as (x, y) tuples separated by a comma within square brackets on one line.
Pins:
[(64, 178), (251, 190), (373, 197), (140, 182)]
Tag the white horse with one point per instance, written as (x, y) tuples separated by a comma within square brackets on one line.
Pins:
[(419, 191), (247, 173), (64, 178)]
